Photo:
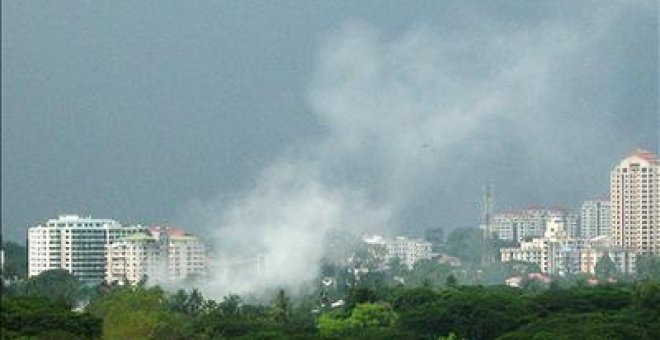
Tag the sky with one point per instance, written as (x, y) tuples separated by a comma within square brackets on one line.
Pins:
[(283, 118)]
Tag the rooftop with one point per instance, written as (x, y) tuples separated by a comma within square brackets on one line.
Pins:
[(640, 157)]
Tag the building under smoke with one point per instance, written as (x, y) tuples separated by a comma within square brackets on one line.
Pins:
[(160, 255), (408, 251)]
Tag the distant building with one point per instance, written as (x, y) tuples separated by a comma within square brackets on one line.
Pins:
[(76, 244), (377, 247), (624, 260), (451, 261), (554, 253), (560, 254), (519, 225), (595, 219), (635, 197), (159, 254), (514, 281), (134, 258), (572, 224), (408, 251)]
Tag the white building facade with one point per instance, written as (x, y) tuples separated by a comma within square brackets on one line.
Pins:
[(132, 259), (161, 254), (635, 198), (408, 251), (595, 219), (558, 253), (74, 243), (516, 226)]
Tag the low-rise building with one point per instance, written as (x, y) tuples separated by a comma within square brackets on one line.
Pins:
[(623, 259), (559, 254), (517, 226), (408, 251)]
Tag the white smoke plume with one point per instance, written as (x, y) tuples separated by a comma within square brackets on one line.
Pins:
[(274, 236), (404, 119)]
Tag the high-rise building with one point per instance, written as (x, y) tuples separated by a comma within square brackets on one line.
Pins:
[(160, 254), (76, 244), (595, 218), (572, 223), (635, 199)]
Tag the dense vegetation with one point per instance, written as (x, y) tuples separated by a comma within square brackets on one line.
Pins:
[(615, 311), (430, 301), (15, 266)]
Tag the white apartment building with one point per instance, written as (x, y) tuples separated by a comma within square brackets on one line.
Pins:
[(533, 251), (635, 199), (408, 251), (554, 253), (624, 260), (528, 223), (558, 253), (74, 243), (595, 219), (377, 247), (161, 254), (133, 258)]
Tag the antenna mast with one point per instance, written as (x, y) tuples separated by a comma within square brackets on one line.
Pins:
[(486, 256)]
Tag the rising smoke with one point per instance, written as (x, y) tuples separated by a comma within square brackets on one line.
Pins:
[(404, 119)]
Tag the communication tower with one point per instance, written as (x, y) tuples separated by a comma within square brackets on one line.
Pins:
[(486, 251)]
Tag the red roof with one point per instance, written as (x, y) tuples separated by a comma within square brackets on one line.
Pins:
[(645, 154)]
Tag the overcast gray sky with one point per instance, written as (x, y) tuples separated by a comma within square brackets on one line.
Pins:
[(146, 111)]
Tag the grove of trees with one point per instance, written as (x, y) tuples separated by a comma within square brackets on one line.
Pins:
[(430, 301)]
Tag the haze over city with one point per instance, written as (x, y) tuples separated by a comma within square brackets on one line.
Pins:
[(384, 169), (273, 119)]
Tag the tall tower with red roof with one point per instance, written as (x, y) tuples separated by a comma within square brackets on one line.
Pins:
[(635, 198)]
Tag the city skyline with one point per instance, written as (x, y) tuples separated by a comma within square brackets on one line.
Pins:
[(534, 211)]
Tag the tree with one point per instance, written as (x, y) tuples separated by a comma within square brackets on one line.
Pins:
[(281, 309), (363, 316), (373, 315), (436, 236), (429, 273), (172, 326), (451, 281), (194, 303), (647, 296), (465, 243), (648, 267), (229, 307), (40, 318), (360, 294), (397, 268), (332, 324), (581, 326), (15, 261), (605, 267), (177, 301), (134, 313), (57, 285)]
